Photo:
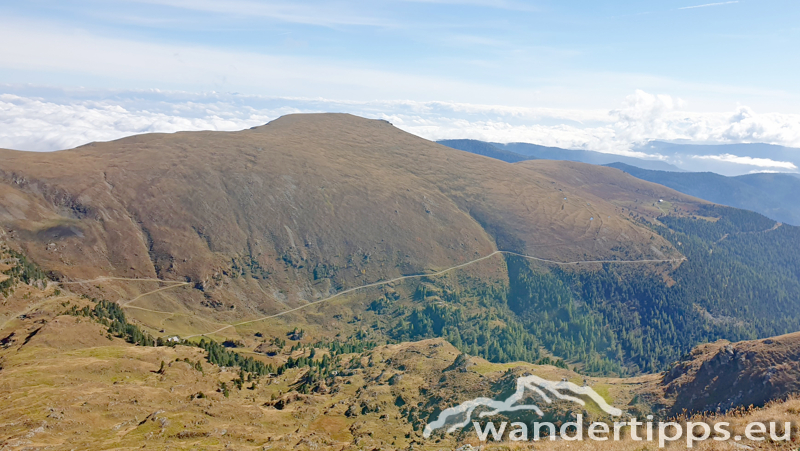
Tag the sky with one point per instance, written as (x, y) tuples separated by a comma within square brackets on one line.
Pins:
[(603, 76)]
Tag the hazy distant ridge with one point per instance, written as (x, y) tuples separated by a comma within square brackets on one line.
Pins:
[(515, 152), (773, 195)]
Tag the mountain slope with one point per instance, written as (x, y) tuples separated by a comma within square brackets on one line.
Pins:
[(72, 384), (773, 195), (307, 205), (349, 228)]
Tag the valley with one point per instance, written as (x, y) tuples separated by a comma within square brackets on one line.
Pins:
[(69, 382)]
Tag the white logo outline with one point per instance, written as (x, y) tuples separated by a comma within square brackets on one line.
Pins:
[(533, 383)]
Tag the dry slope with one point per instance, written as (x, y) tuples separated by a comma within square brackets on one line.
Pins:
[(303, 207)]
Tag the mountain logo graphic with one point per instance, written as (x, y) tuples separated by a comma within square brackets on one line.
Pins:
[(461, 415)]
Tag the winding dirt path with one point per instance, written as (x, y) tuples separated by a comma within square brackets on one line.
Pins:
[(438, 273), (775, 227), (126, 304)]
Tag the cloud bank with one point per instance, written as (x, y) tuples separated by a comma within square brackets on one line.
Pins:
[(43, 119), (748, 161)]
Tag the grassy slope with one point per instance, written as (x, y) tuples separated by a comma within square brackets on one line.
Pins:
[(69, 386), (266, 219)]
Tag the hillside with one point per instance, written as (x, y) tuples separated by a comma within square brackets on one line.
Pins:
[(76, 381), (302, 207), (773, 195), (73, 383)]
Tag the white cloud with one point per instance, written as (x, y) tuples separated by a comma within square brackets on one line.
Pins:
[(35, 124), (709, 4), (645, 117), (748, 161), (41, 119)]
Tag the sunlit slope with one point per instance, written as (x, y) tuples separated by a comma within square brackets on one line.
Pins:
[(305, 206)]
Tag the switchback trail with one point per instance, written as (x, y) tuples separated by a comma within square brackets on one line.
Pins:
[(126, 304), (775, 227), (179, 284), (438, 273), (120, 278)]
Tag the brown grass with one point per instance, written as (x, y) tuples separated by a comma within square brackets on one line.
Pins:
[(354, 197)]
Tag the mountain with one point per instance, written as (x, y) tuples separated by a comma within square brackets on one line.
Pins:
[(331, 282), (773, 195), (726, 159), (767, 193), (305, 205), (516, 152), (349, 228)]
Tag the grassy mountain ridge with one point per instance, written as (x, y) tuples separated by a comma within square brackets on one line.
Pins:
[(292, 211), (514, 152)]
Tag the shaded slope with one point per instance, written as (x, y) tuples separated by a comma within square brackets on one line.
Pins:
[(724, 375)]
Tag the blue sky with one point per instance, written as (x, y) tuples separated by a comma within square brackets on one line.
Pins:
[(580, 74)]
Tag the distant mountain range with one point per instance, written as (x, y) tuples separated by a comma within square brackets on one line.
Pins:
[(772, 194), (583, 156), (515, 152), (725, 159), (487, 150)]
